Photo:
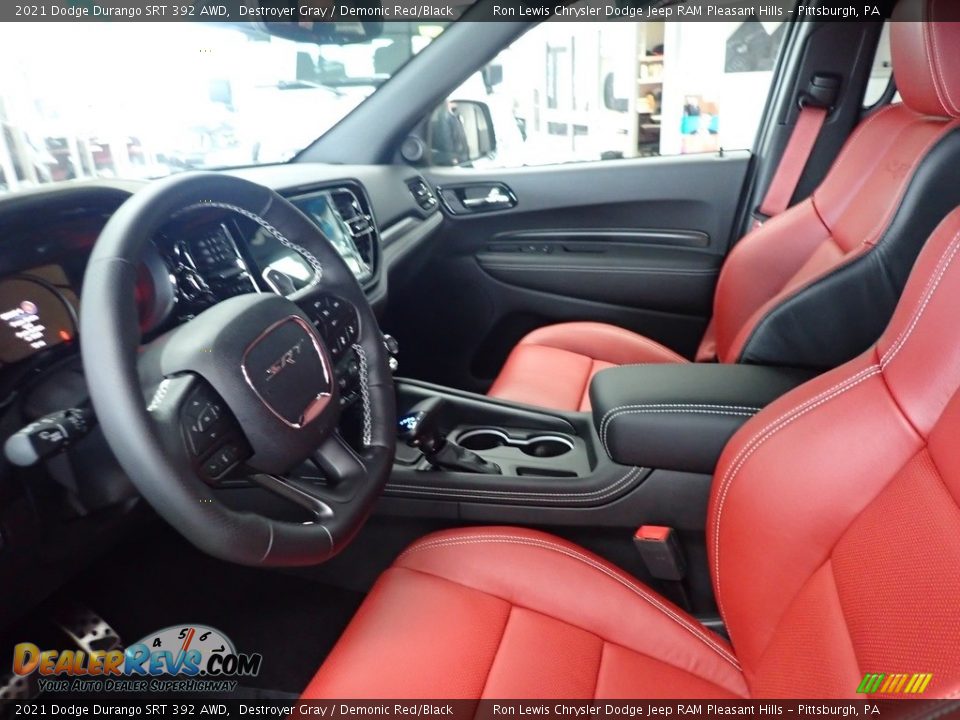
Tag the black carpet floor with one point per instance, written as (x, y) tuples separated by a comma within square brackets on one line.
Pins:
[(292, 621)]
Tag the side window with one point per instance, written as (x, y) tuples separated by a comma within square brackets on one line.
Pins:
[(580, 91), (881, 72)]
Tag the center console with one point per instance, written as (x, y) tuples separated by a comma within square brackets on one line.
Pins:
[(679, 416), (644, 455), (642, 458), (528, 458)]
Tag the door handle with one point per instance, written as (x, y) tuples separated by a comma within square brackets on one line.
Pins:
[(496, 197), (476, 197)]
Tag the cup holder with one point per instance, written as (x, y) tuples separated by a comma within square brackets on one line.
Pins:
[(482, 440), (541, 446), (547, 447)]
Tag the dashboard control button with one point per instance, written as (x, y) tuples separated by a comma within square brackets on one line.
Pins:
[(338, 323), (193, 406), (208, 416), (203, 438), (228, 454), (222, 460), (214, 467), (216, 432), (205, 420)]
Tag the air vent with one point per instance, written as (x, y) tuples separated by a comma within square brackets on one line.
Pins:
[(422, 194), (356, 216)]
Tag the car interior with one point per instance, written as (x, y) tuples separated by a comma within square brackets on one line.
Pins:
[(662, 426)]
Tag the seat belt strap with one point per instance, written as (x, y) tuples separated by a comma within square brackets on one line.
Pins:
[(795, 156)]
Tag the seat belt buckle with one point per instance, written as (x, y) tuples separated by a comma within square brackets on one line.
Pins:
[(660, 551)]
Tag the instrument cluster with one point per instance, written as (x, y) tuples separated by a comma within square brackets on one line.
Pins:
[(196, 260), (204, 265)]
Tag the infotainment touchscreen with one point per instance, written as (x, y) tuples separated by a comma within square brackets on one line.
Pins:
[(321, 209)]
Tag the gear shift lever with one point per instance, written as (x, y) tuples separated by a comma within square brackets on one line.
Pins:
[(420, 429)]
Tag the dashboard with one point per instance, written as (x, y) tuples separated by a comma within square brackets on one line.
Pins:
[(61, 510), (199, 258)]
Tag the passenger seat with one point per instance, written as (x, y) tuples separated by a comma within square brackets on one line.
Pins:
[(816, 285)]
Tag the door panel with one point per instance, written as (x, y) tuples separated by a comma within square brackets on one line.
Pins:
[(621, 273), (637, 243)]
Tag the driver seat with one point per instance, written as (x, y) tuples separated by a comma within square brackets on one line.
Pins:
[(834, 543)]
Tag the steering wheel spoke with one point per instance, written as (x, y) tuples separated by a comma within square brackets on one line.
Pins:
[(192, 420), (340, 464), (300, 492)]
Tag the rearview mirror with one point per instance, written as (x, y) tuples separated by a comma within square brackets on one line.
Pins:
[(492, 76), (460, 132), (320, 22)]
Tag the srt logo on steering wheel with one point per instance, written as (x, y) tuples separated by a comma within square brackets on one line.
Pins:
[(288, 358)]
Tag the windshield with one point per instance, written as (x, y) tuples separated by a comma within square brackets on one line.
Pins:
[(139, 100)]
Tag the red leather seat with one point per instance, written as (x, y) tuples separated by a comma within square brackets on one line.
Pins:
[(553, 366), (834, 543), (815, 285)]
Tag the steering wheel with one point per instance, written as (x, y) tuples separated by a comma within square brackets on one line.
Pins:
[(253, 368)]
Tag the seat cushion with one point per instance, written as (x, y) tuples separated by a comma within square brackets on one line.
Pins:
[(552, 367), (511, 613)]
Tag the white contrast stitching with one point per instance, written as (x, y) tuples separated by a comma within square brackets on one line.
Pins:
[(672, 412), (658, 347), (942, 266), (159, 396), (533, 542), (558, 498), (309, 256), (365, 395), (950, 105), (765, 434), (930, 48), (670, 355), (661, 408)]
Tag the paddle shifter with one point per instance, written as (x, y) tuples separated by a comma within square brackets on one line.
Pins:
[(420, 428)]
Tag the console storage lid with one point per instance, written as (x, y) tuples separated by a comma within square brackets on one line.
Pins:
[(680, 416)]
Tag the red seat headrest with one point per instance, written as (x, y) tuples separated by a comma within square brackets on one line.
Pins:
[(925, 48)]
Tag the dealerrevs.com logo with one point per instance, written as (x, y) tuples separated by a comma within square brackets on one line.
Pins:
[(184, 658)]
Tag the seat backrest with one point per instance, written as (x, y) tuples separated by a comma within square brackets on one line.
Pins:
[(816, 285), (834, 523)]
